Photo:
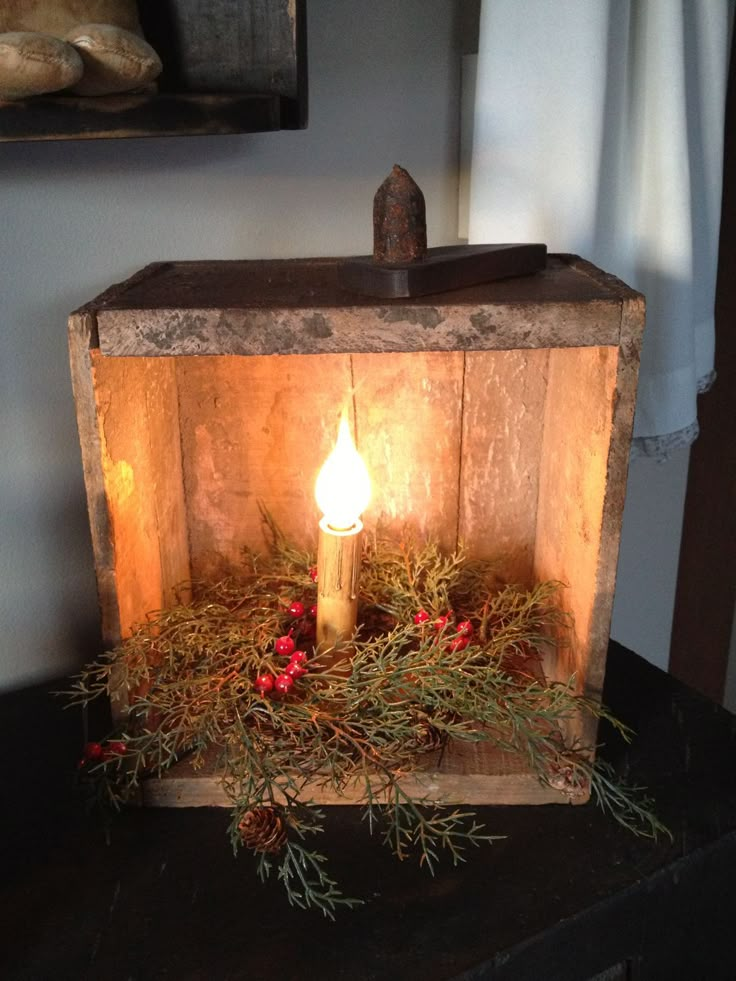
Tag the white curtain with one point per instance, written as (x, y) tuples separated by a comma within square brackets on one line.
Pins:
[(598, 129)]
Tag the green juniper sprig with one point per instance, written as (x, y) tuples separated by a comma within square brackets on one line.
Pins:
[(200, 682)]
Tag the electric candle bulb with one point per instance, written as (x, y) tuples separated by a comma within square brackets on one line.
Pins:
[(343, 487)]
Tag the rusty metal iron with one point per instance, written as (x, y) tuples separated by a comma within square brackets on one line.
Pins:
[(399, 220)]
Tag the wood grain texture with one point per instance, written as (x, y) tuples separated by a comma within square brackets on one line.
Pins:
[(320, 330), (572, 489), (251, 434), (617, 468), (297, 307), (82, 332), (633, 315), (408, 423), (255, 430), (138, 430), (503, 416), (225, 45), (467, 773)]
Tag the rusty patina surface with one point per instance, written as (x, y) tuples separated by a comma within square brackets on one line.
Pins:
[(399, 220), (257, 307)]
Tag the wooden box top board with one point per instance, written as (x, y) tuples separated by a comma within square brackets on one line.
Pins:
[(255, 307)]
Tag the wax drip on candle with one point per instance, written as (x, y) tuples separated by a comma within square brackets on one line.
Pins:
[(343, 487)]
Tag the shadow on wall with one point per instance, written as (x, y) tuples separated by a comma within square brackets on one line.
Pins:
[(100, 159)]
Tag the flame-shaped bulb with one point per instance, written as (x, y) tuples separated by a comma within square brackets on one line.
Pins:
[(343, 487)]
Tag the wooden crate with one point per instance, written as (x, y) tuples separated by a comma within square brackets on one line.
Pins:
[(499, 414)]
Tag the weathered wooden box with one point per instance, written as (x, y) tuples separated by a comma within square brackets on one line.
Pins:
[(499, 414)]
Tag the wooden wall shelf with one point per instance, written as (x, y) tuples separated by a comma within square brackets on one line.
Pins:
[(229, 67)]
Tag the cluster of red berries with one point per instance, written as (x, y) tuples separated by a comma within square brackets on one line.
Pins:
[(464, 629), (101, 752), (286, 647), (296, 610)]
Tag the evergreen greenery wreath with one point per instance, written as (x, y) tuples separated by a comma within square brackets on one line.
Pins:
[(443, 652)]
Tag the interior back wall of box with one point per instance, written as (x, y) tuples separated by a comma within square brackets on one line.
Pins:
[(384, 89)]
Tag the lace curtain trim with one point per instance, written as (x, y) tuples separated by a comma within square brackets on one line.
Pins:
[(660, 448)]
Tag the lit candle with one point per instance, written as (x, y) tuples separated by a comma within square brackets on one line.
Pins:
[(343, 490)]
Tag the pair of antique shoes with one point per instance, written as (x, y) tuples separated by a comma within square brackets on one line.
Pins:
[(45, 47)]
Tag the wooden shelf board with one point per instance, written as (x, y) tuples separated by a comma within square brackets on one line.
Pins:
[(141, 115)]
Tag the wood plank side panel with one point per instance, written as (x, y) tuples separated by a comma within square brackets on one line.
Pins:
[(578, 424), (503, 415), (466, 788), (408, 416), (82, 336), (466, 773), (255, 430), (619, 452), (139, 441), (224, 45)]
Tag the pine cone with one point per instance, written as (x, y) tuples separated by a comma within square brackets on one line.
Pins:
[(262, 829)]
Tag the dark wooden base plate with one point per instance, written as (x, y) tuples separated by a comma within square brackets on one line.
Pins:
[(446, 268)]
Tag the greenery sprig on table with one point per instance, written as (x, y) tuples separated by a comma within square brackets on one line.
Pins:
[(443, 653)]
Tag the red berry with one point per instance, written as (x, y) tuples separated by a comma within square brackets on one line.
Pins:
[(284, 683), (465, 627), (93, 751), (116, 748), (263, 683), (441, 622), (458, 643), (296, 609), (313, 611), (294, 670), (421, 617), (313, 573), (298, 657), (284, 645)]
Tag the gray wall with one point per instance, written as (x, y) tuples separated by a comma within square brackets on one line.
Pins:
[(384, 89), (650, 548)]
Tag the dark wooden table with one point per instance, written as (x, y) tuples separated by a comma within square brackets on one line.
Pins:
[(567, 895)]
